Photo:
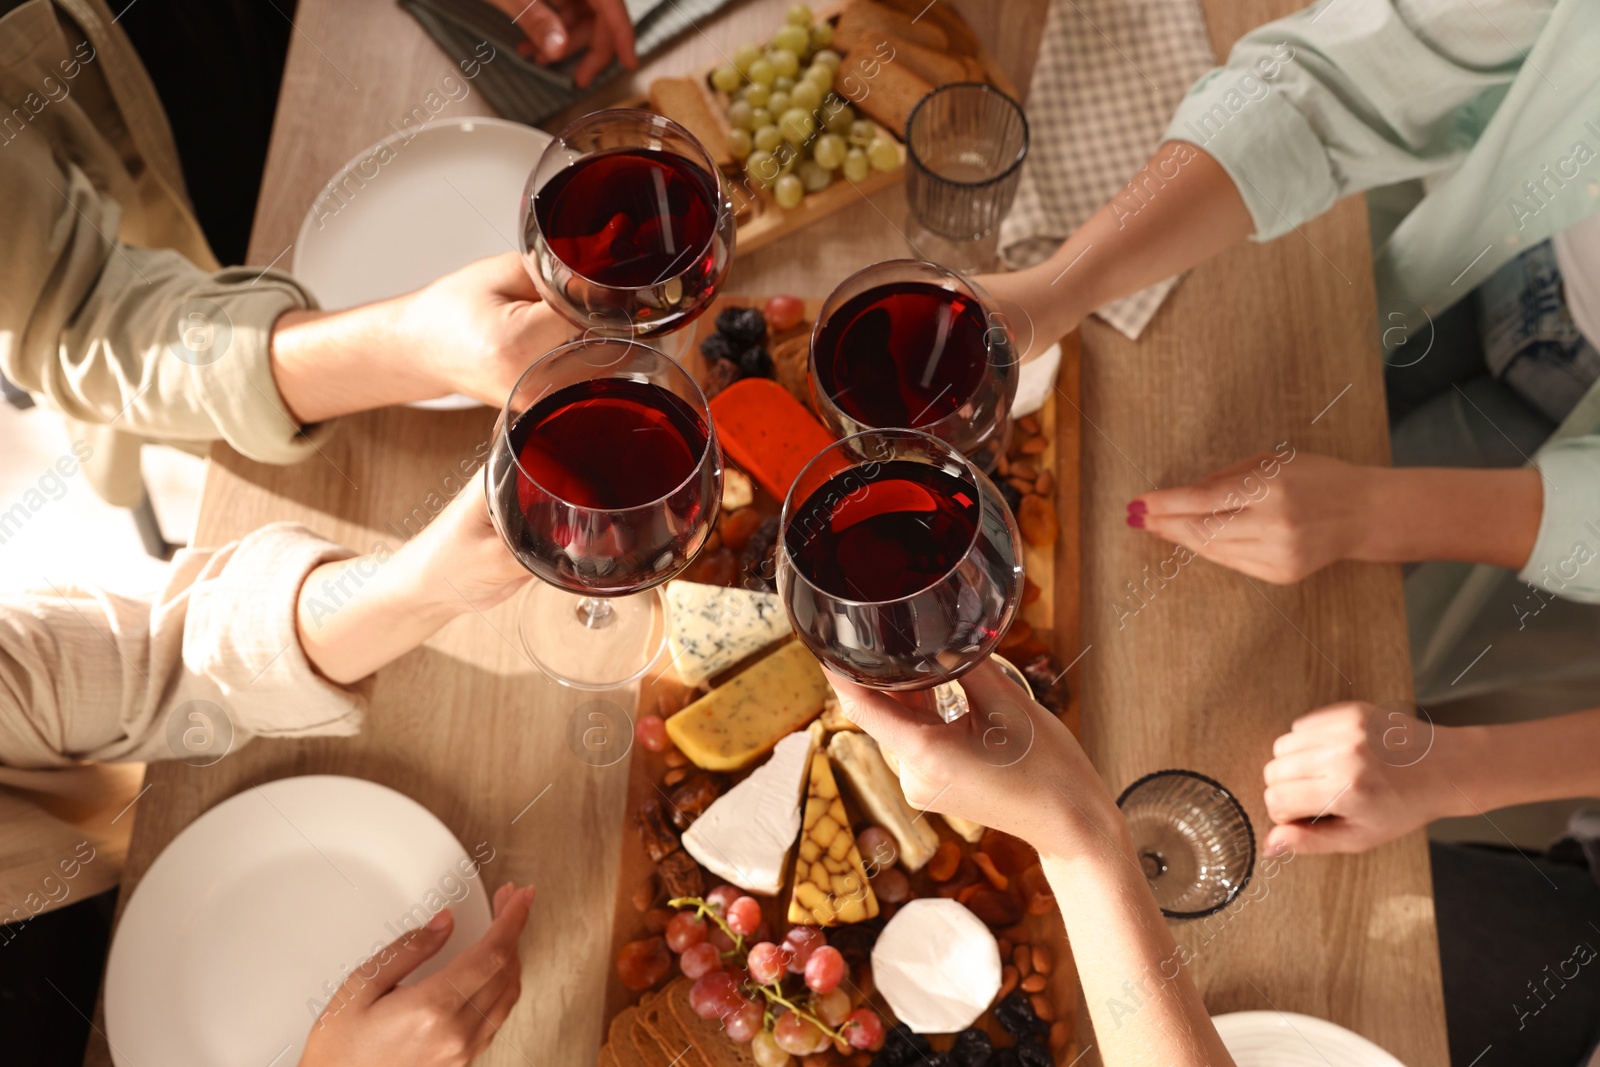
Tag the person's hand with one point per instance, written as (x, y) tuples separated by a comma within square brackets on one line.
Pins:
[(444, 1020), (1349, 777), (1008, 764), (479, 328), (1276, 516), (557, 29), (460, 560)]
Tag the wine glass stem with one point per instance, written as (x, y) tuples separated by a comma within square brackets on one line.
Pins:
[(595, 612)]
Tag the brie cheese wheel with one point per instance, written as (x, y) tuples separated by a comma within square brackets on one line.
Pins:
[(937, 965), (712, 627), (744, 836)]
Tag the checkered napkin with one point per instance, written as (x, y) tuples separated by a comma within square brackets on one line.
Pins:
[(1110, 74), (520, 89)]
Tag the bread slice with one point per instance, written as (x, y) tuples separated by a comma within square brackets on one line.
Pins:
[(619, 1040), (937, 67), (660, 1027), (864, 22), (943, 17), (706, 1034), (885, 91), (685, 102)]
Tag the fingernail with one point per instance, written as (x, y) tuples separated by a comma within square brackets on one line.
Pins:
[(1136, 520), (1137, 507), (440, 922), (528, 895), (554, 41)]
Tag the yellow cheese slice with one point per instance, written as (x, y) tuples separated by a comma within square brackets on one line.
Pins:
[(830, 883), (739, 721)]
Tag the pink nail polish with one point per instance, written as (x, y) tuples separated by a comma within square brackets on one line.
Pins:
[(1136, 520), (1138, 507)]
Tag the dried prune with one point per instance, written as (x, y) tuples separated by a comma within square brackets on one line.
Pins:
[(681, 875), (658, 836), (1016, 1014), (972, 1048), (742, 325)]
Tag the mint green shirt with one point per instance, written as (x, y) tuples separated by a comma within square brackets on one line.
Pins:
[(1495, 106)]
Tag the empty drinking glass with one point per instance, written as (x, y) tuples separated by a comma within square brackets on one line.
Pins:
[(965, 144), (1192, 839)]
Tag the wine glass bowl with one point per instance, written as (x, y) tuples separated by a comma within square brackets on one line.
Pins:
[(898, 561), (1193, 841), (604, 480), (626, 227), (908, 344)]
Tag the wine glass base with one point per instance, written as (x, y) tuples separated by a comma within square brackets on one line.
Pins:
[(601, 649)]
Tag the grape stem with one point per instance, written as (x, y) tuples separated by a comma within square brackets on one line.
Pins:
[(774, 992)]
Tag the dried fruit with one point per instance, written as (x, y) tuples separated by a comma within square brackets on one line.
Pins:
[(1037, 517), (681, 875), (756, 559), (691, 799), (641, 964), (659, 838), (1046, 483), (737, 527), (718, 347), (945, 861), (1021, 630), (1032, 1053), (742, 325), (972, 1048), (1008, 492), (756, 363), (995, 908), (719, 375), (645, 893), (1030, 591), (1017, 1014), (1029, 424), (719, 567), (986, 865)]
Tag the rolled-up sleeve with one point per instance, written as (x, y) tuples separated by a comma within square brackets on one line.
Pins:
[(1354, 94), (141, 338), (1566, 555), (88, 675)]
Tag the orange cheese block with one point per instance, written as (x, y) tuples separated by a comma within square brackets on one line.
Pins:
[(766, 431)]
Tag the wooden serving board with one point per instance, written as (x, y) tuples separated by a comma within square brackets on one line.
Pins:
[(760, 220), (1054, 616)]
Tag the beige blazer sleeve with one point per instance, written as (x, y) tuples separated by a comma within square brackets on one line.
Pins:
[(104, 312), (211, 662)]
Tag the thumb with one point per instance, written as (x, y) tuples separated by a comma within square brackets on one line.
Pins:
[(1329, 835), (893, 725), (388, 968)]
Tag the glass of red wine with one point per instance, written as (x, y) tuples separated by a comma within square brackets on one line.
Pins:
[(626, 228), (898, 560), (907, 343), (605, 479)]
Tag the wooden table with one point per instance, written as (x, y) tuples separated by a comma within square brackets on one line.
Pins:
[(1247, 351)]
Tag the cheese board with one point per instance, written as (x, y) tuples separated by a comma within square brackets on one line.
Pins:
[(787, 159), (768, 839)]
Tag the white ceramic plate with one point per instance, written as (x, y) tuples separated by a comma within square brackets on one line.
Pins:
[(1285, 1039), (414, 207), (227, 942)]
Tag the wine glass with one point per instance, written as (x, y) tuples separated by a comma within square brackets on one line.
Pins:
[(907, 343), (1193, 840), (605, 480), (898, 560), (626, 227)]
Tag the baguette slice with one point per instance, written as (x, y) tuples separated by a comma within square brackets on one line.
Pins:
[(683, 101), (861, 19), (885, 90)]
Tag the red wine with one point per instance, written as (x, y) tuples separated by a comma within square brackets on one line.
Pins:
[(904, 354), (901, 574), (590, 457), (629, 218), (888, 538)]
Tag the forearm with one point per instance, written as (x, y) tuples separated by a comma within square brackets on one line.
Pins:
[(358, 615), (1179, 210), (332, 363), (1432, 513), (1488, 767), (1144, 1008)]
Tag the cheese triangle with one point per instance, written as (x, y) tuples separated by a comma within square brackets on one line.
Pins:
[(830, 883), (744, 836), (712, 627)]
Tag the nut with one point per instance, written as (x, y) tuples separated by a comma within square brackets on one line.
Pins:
[(1041, 1007), (1043, 961), (1008, 980), (1023, 958), (1034, 983)]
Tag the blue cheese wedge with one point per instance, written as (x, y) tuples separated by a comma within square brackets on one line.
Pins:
[(745, 835), (712, 627), (937, 965)]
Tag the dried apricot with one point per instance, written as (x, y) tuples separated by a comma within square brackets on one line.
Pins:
[(945, 861), (1037, 517)]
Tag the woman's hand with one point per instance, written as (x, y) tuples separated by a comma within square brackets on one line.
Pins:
[(557, 29), (1008, 763), (479, 328), (1351, 776), (358, 615), (1277, 516), (446, 1019)]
